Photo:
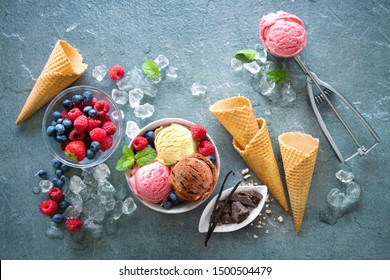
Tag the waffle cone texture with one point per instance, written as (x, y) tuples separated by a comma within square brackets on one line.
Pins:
[(64, 66), (299, 154), (252, 141)]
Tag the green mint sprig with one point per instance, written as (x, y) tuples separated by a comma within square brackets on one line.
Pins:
[(277, 75), (246, 55), (150, 69), (146, 156), (128, 159)]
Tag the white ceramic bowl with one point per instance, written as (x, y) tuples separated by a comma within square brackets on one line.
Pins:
[(253, 212), (183, 206), (56, 105)]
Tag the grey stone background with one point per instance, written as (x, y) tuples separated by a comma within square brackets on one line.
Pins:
[(348, 46)]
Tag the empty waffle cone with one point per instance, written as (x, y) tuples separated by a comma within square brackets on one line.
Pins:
[(299, 153), (259, 156), (237, 116), (65, 65)]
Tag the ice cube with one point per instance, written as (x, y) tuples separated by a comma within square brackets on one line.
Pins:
[(288, 95), (53, 232), (135, 76), (108, 202), (119, 96), (129, 206), (99, 72), (106, 188), (198, 89), (101, 172), (153, 81), (71, 212), (353, 192), (95, 210), (76, 184), (162, 61), (111, 225), (125, 83), (144, 111), (76, 201), (135, 96), (149, 89), (96, 230), (335, 197), (118, 210), (36, 189), (236, 64), (45, 185), (132, 129), (115, 115), (344, 176), (261, 53), (252, 67), (171, 72), (266, 86)]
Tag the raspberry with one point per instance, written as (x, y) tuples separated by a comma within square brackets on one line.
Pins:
[(116, 72), (75, 135), (98, 134), (64, 114), (109, 127), (198, 132), (55, 194), (206, 148), (105, 118), (48, 207), (90, 103), (76, 150), (92, 123), (106, 143), (140, 143), (102, 107), (74, 114), (74, 224), (80, 124)]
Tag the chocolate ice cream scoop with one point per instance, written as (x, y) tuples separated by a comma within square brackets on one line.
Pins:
[(194, 178)]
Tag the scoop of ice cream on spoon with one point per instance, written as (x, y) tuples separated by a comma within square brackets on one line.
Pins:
[(282, 34)]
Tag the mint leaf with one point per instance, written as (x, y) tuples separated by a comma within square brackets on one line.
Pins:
[(126, 161), (246, 55), (277, 75), (150, 68), (146, 156)]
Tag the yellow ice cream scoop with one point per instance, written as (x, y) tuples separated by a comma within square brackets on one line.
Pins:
[(173, 143)]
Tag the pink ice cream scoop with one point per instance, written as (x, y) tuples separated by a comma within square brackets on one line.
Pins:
[(151, 182), (282, 34)]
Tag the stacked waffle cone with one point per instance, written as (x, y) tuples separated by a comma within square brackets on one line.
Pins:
[(299, 153), (64, 66), (252, 141)]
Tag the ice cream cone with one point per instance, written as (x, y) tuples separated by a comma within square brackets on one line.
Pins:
[(259, 156), (299, 153), (237, 116), (64, 66)]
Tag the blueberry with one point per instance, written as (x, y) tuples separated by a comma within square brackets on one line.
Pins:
[(63, 204), (60, 129), (86, 109), (87, 96), (67, 104), (61, 138), (167, 204), (53, 123), (41, 173), (212, 158), (150, 136), (90, 154), (56, 115), (64, 168), (93, 113), (77, 98), (51, 131), (56, 163), (95, 146), (60, 182), (173, 197), (67, 123), (58, 218), (59, 121), (58, 173)]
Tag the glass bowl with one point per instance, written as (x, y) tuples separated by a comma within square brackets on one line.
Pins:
[(183, 206), (56, 105)]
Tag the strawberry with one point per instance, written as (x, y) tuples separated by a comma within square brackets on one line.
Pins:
[(109, 127), (206, 148), (97, 134), (140, 143), (81, 123), (198, 132), (102, 107), (76, 150), (74, 224), (48, 207), (55, 194), (116, 72), (106, 143)]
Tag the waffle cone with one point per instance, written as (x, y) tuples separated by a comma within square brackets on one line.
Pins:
[(65, 65), (237, 116), (259, 156), (299, 153)]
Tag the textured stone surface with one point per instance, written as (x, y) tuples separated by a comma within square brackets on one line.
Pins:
[(348, 46)]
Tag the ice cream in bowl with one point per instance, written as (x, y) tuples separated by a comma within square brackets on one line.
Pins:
[(172, 165)]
